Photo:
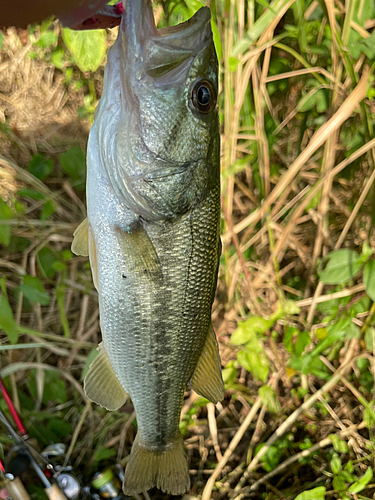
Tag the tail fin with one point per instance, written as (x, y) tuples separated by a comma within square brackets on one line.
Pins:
[(167, 470)]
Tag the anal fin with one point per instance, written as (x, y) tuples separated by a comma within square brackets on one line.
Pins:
[(80, 245), (207, 380), (101, 384)]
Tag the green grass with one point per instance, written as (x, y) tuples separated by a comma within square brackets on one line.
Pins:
[(294, 311)]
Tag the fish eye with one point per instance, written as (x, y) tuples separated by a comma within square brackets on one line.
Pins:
[(204, 96)]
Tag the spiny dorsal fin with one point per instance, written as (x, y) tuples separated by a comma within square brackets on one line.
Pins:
[(207, 380), (101, 384), (80, 245)]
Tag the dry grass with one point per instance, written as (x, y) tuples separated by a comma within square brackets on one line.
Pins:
[(285, 207)]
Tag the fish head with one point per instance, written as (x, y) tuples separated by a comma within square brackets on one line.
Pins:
[(168, 137)]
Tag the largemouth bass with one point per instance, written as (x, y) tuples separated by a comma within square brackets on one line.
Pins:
[(152, 234)]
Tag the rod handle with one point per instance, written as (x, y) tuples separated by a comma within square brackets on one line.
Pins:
[(16, 489), (54, 493)]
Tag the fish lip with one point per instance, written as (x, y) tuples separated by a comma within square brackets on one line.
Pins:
[(160, 51)]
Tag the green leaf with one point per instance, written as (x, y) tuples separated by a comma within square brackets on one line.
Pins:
[(339, 445), (60, 297), (362, 482), (233, 63), (255, 361), (48, 210), (368, 416), (73, 163), (270, 399), (1, 40), (369, 338), (246, 329), (5, 214), (88, 48), (307, 102), (57, 58), (103, 453), (229, 374), (369, 278), (31, 193), (40, 167), (7, 322), (290, 333), (342, 266), (217, 40), (314, 494), (33, 289), (335, 464), (303, 340), (339, 484), (47, 39), (46, 261)]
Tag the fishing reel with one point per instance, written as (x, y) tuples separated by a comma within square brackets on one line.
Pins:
[(59, 480)]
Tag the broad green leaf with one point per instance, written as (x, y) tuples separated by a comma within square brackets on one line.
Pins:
[(33, 289), (335, 464), (61, 428), (57, 57), (342, 266), (229, 374), (339, 445), (290, 333), (46, 261), (307, 102), (303, 340), (339, 484), (73, 162), (362, 482), (314, 494), (7, 322), (47, 39), (254, 360), (369, 278), (270, 399), (88, 48), (246, 329), (40, 167), (271, 458)]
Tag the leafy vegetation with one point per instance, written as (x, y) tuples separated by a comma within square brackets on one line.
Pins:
[(295, 306)]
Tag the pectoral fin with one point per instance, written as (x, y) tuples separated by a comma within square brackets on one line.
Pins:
[(80, 245), (207, 380), (93, 260), (139, 252), (101, 384)]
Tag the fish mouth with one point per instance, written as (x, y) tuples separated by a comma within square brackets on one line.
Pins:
[(161, 51)]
